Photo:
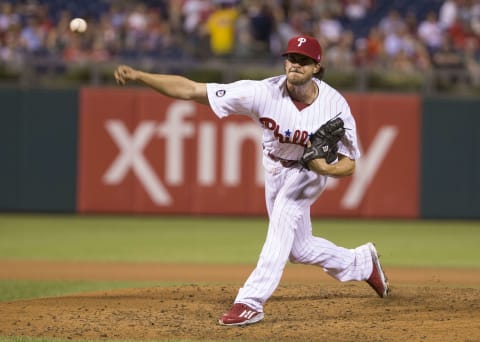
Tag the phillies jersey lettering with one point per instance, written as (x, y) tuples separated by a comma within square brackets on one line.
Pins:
[(298, 137)]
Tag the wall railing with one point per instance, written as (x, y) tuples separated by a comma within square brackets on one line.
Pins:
[(53, 72)]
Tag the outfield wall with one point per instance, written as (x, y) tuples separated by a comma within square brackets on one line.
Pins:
[(131, 150), (451, 158), (38, 150)]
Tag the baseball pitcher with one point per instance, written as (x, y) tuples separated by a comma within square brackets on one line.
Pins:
[(309, 134)]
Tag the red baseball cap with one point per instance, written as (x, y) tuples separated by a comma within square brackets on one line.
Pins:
[(305, 45)]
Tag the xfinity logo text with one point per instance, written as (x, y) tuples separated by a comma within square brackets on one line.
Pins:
[(175, 131), (214, 155)]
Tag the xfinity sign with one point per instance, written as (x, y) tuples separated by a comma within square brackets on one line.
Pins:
[(179, 125)]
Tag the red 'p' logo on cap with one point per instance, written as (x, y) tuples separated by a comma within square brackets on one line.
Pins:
[(301, 41), (305, 45)]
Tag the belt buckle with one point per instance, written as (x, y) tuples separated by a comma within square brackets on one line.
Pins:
[(284, 162), (288, 163)]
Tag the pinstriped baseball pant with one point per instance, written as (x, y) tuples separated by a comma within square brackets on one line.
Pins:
[(289, 194)]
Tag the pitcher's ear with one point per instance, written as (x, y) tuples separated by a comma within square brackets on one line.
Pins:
[(320, 73)]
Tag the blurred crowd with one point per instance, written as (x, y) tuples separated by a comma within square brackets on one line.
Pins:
[(445, 35)]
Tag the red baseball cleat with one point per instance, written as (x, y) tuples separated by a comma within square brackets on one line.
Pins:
[(377, 280), (240, 314)]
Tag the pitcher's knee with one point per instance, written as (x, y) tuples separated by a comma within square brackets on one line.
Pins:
[(297, 257)]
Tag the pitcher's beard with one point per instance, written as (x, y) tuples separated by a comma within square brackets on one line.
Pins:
[(297, 79)]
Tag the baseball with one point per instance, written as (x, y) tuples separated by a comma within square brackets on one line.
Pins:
[(78, 25)]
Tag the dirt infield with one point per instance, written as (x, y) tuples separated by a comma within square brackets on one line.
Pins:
[(425, 305)]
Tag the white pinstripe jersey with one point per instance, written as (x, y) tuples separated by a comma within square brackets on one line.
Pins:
[(285, 128)]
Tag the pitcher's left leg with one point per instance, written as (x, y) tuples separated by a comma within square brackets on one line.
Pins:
[(339, 262), (361, 263), (263, 281)]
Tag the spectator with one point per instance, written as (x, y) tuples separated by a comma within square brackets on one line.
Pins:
[(59, 37), (174, 16), (32, 36), (137, 20), (361, 59), (136, 27), (475, 20), (156, 34), (356, 9), (261, 27), (411, 22), (111, 33), (243, 38), (8, 17), (448, 13), (195, 13), (458, 32), (340, 56), (318, 7), (400, 41), (374, 47), (301, 20), (392, 23), (116, 16), (465, 10), (330, 29), (288, 27), (430, 32), (11, 50), (220, 27), (43, 18)]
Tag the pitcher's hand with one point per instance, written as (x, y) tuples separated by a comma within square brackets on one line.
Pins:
[(124, 73)]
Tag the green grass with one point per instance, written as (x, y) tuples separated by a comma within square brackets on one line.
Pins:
[(130, 238), (210, 240), (225, 240), (413, 243)]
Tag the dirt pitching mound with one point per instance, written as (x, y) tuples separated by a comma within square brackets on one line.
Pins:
[(312, 312)]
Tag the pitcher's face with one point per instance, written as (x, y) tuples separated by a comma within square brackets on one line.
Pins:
[(300, 69)]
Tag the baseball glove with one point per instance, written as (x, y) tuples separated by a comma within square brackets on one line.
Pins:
[(324, 142)]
